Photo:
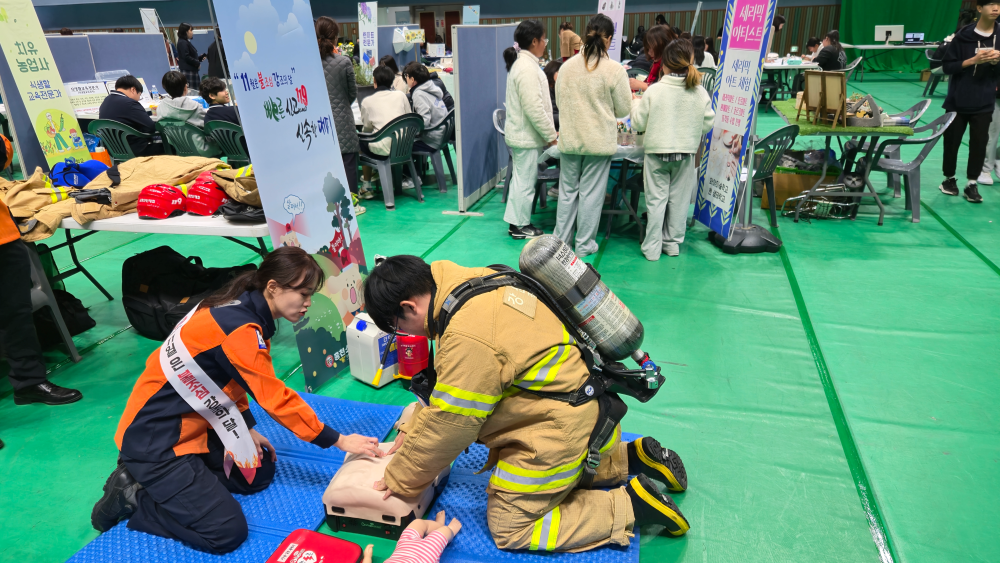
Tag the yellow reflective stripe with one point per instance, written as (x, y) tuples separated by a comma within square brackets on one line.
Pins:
[(546, 532), (245, 171), (547, 369), (183, 188), (531, 481), (459, 401), (614, 438)]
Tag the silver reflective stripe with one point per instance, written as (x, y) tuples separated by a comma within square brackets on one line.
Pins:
[(462, 403), (522, 480), (543, 537), (543, 372)]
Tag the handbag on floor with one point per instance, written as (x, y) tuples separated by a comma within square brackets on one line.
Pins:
[(160, 287)]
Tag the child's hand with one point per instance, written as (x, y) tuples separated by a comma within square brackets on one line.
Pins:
[(368, 554)]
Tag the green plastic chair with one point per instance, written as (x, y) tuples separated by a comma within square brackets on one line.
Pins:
[(231, 140), (403, 131), (773, 146), (115, 135), (179, 138), (707, 78)]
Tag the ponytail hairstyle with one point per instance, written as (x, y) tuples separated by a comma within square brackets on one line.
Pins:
[(698, 42), (565, 26), (834, 36), (289, 266), (599, 28), (390, 63), (525, 34), (678, 58), (327, 32)]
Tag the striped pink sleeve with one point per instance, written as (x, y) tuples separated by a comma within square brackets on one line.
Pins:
[(412, 549)]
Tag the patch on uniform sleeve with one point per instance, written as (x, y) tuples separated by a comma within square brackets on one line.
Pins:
[(520, 301), (260, 340)]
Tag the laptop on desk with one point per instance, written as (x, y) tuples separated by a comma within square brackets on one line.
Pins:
[(913, 39)]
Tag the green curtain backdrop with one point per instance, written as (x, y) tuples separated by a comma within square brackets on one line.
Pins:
[(935, 18)]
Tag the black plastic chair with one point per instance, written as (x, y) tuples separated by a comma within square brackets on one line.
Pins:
[(231, 140), (403, 131), (910, 171), (448, 126), (774, 146), (933, 81), (115, 136)]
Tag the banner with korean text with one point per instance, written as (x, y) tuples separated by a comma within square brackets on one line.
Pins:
[(39, 84), (368, 38), (288, 122), (614, 9), (737, 88)]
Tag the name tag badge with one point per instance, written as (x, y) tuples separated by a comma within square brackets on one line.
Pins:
[(521, 301), (260, 341)]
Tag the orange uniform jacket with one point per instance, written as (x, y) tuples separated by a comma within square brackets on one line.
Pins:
[(8, 230), (231, 343)]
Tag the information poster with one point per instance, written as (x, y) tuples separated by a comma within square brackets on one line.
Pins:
[(744, 39), (470, 15), (39, 84), (368, 38), (87, 97), (614, 9), (285, 111), (150, 20)]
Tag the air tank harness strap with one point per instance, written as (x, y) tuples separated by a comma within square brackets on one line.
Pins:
[(580, 289)]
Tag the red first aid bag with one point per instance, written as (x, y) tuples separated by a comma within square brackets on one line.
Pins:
[(306, 546)]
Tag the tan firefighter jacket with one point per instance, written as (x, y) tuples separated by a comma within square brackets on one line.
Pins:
[(496, 345)]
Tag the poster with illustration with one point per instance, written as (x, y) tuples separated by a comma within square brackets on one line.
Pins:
[(281, 91), (614, 9), (734, 99), (470, 15), (368, 38), (39, 84)]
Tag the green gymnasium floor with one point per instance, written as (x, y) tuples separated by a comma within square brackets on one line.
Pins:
[(844, 389)]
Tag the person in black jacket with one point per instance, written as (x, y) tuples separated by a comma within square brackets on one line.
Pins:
[(971, 61), (216, 57), (214, 91), (552, 73), (831, 56), (123, 106), (188, 59)]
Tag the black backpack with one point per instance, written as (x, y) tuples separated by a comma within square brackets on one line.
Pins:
[(160, 286), (73, 313)]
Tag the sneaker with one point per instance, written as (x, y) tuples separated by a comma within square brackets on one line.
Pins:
[(408, 183), (671, 249), (359, 210), (650, 506), (972, 193), (527, 231), (553, 193), (949, 187), (365, 194), (118, 502), (647, 457), (985, 178)]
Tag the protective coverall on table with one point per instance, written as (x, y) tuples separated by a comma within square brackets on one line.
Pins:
[(496, 347)]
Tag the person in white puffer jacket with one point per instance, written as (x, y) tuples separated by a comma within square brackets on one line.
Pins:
[(675, 113), (529, 127)]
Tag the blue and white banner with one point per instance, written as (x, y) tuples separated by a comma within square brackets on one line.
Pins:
[(286, 116), (734, 99), (368, 38)]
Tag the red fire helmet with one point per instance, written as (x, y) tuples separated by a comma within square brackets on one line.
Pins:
[(159, 201), (204, 198), (206, 178)]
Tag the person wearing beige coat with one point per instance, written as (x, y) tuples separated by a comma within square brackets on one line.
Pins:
[(496, 349), (569, 42), (529, 126), (592, 92)]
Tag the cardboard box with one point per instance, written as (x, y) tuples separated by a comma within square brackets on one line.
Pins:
[(788, 185), (925, 75)]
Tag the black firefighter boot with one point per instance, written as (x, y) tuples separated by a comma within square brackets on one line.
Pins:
[(650, 506), (647, 457)]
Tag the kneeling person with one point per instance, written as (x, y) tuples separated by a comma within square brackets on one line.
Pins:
[(491, 356), (173, 477)]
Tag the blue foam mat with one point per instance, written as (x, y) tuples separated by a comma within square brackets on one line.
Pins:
[(293, 500), (465, 498)]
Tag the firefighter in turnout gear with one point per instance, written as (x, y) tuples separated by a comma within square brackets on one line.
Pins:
[(498, 349)]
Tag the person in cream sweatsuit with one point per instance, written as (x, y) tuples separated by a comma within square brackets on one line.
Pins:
[(675, 113), (592, 91), (529, 127)]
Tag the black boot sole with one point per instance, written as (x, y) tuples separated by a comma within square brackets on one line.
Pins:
[(28, 401), (677, 524), (670, 470), (107, 524)]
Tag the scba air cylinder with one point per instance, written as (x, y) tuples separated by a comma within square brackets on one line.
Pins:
[(597, 312)]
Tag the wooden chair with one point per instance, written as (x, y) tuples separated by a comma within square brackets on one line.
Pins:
[(834, 98), (812, 97)]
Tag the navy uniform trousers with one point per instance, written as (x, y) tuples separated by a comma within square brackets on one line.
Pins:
[(189, 498)]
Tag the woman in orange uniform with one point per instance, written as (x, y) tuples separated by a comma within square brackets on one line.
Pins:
[(186, 438)]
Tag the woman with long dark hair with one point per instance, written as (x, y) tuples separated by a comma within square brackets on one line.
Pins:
[(398, 83), (654, 42), (831, 56), (188, 59), (702, 57), (187, 437), (529, 127), (342, 87), (592, 92)]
